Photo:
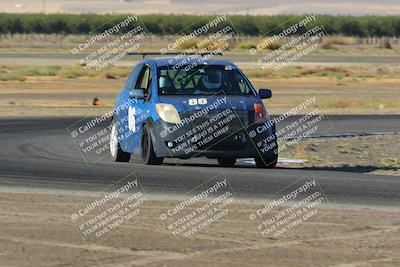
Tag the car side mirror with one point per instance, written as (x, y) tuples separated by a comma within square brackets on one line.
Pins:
[(136, 93), (265, 93)]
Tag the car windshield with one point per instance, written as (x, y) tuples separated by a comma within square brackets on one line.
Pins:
[(202, 80)]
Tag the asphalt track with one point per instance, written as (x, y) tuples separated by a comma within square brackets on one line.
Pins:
[(38, 153)]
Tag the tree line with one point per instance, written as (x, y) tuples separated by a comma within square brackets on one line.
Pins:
[(361, 26)]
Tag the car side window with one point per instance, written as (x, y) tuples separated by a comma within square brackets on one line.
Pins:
[(133, 77), (144, 81)]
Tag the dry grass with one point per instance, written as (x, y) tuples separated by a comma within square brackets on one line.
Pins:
[(54, 96), (376, 103), (349, 152), (264, 44), (246, 45), (50, 43), (359, 72), (333, 96), (55, 72), (340, 40), (337, 73), (204, 44)]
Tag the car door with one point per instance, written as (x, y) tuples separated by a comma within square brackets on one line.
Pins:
[(141, 111), (137, 111), (125, 106)]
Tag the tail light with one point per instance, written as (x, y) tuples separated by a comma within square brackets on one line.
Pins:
[(260, 113)]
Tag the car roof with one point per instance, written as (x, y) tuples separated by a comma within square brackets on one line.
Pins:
[(171, 61)]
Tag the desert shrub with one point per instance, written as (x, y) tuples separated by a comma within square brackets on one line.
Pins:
[(12, 76)]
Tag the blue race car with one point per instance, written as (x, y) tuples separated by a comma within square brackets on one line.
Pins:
[(192, 107)]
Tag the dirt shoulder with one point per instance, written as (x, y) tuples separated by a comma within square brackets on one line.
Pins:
[(36, 230), (369, 154)]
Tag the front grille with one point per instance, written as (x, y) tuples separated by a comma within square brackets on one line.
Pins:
[(238, 122), (232, 142)]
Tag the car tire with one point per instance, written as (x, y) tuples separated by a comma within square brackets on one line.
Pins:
[(268, 162), (226, 161), (115, 148), (147, 149)]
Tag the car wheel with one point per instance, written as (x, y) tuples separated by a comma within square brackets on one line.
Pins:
[(268, 162), (226, 162), (148, 155), (115, 148)]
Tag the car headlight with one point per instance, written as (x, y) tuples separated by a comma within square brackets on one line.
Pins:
[(168, 113)]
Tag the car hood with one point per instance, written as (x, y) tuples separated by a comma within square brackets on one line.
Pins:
[(221, 102)]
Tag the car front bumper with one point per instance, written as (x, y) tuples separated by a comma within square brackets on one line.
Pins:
[(234, 142)]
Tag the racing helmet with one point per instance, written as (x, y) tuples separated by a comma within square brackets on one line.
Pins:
[(212, 79)]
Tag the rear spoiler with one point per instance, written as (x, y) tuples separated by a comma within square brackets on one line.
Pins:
[(202, 54)]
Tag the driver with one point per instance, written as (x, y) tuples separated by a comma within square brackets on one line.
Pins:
[(212, 79)]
